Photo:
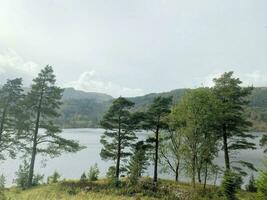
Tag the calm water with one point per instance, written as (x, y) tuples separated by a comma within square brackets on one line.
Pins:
[(71, 166)]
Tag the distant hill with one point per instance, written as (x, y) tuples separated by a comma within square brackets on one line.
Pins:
[(85, 109), (71, 93)]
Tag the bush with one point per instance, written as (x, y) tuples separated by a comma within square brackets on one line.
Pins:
[(230, 184), (83, 177), (2, 181), (251, 187), (22, 176), (111, 172), (262, 183), (54, 178), (93, 173)]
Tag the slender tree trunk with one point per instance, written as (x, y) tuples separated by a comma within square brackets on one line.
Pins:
[(34, 147), (177, 173), (118, 157), (34, 150), (156, 155), (199, 174), (194, 171), (206, 175), (225, 148)]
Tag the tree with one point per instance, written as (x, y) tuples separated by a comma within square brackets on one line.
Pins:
[(230, 184), (43, 102), (233, 124), (54, 178), (171, 149), (120, 125), (11, 97), (195, 119), (154, 121), (93, 173), (138, 163)]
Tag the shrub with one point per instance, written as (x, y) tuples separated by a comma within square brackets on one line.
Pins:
[(54, 178), (93, 173), (251, 187), (231, 182), (83, 177), (262, 183), (22, 176), (2, 181)]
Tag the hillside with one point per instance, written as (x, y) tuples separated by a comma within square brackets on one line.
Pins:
[(85, 109), (101, 190)]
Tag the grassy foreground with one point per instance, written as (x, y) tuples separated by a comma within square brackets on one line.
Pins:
[(101, 190)]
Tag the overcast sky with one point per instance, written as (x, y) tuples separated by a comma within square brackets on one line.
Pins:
[(134, 47)]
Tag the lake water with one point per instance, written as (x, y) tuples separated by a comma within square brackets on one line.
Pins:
[(71, 166)]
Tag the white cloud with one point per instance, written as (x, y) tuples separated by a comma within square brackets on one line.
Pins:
[(11, 61), (89, 82), (255, 78)]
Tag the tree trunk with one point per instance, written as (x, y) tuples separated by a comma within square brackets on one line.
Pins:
[(206, 175), (177, 173), (156, 155), (34, 149), (118, 156), (225, 148), (199, 175), (34, 146), (194, 171)]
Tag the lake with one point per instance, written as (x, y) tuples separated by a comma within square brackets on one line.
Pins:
[(71, 166)]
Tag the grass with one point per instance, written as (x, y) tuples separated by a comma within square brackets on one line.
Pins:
[(101, 190)]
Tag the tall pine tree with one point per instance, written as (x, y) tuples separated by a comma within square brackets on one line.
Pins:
[(154, 121), (233, 125), (43, 103), (120, 125)]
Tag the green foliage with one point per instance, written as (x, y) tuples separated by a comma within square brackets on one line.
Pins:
[(83, 177), (10, 118), (155, 121), (111, 173), (138, 162), (54, 178), (93, 173), (233, 124), (195, 118), (2, 181), (251, 186), (262, 183), (42, 108), (22, 175), (120, 126), (230, 184)]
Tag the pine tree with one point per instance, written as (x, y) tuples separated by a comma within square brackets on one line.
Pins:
[(233, 124), (11, 97), (154, 121), (138, 163), (43, 103), (120, 125)]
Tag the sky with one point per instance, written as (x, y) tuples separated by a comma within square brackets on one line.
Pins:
[(134, 47)]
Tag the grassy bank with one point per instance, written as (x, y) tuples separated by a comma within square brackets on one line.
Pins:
[(102, 190)]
